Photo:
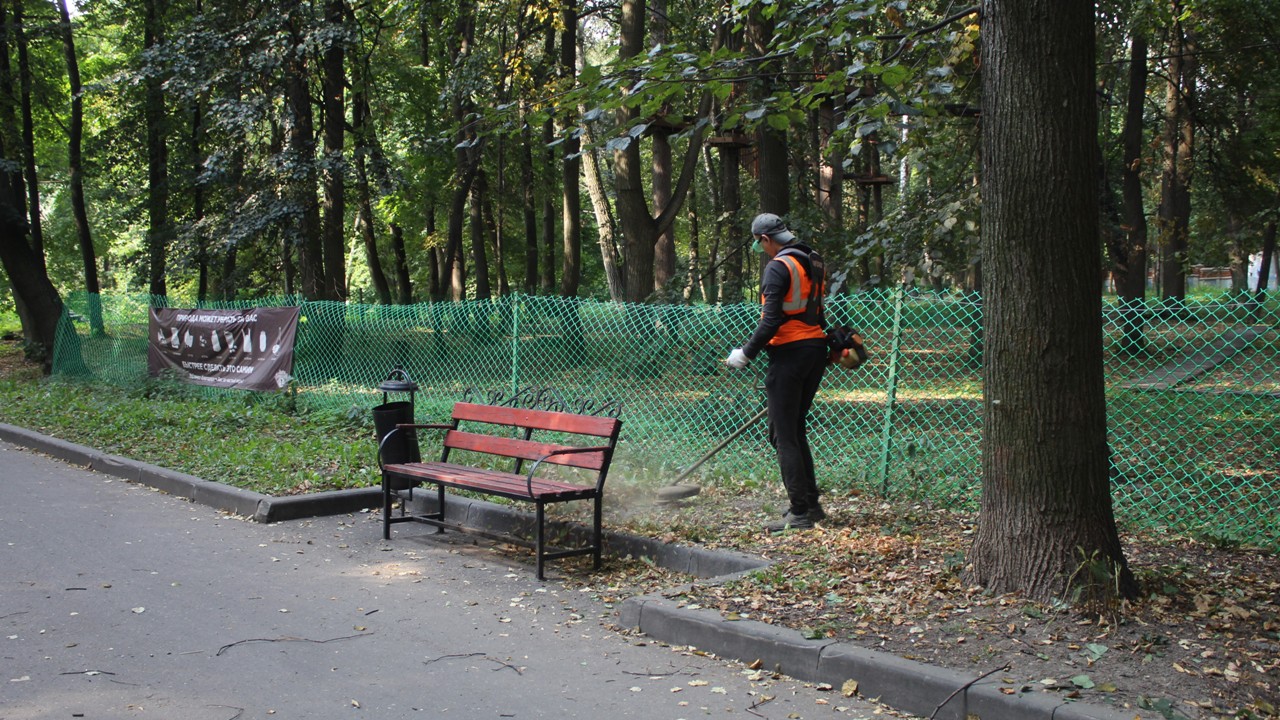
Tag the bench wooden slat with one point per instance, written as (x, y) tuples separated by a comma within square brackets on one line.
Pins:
[(537, 419), (522, 449), (489, 481)]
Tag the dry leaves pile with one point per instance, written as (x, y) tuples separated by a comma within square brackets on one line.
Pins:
[(1203, 641)]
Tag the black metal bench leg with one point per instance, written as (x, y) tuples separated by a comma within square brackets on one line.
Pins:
[(386, 509), (539, 545), (597, 521), (440, 506)]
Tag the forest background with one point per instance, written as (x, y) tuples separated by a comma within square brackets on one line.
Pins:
[(396, 152)]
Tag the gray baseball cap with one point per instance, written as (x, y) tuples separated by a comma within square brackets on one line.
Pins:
[(773, 226)]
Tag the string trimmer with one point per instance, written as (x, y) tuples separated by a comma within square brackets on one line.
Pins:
[(677, 491)]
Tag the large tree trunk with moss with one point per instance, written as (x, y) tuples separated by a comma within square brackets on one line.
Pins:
[(1046, 524)]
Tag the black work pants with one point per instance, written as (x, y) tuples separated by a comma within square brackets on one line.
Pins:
[(795, 369)]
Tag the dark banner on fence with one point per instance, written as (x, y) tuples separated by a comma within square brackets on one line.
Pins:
[(245, 349)]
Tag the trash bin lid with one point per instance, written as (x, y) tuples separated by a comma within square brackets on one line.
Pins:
[(390, 385)]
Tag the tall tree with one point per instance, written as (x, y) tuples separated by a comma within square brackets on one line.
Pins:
[(571, 185), (1046, 504), (606, 232), (304, 235), (640, 227), (333, 84), (771, 143), (79, 214), (1132, 255), (1174, 212), (35, 226), (363, 129), (159, 228), (466, 149)]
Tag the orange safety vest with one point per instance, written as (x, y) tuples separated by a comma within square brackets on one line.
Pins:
[(802, 304)]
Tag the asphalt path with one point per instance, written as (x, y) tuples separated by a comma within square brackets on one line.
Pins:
[(118, 601)]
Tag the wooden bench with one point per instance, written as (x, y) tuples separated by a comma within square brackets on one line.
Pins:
[(477, 428)]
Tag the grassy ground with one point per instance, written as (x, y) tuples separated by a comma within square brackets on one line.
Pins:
[(1202, 642)]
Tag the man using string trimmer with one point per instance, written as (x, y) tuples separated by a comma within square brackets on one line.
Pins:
[(791, 331)]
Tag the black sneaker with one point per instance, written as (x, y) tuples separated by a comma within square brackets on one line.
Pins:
[(790, 522), (817, 514)]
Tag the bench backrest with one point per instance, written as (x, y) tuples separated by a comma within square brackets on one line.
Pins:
[(531, 420)]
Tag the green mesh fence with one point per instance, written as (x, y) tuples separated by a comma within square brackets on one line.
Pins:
[(1193, 394)]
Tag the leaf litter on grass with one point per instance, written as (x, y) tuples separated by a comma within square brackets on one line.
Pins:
[(1203, 641)]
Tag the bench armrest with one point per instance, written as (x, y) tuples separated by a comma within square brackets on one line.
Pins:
[(565, 451), (407, 426)]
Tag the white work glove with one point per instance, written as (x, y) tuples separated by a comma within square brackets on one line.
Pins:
[(737, 359)]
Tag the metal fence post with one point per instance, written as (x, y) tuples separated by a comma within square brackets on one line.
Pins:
[(515, 342), (886, 431)]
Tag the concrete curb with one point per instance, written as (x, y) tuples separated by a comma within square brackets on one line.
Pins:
[(902, 684)]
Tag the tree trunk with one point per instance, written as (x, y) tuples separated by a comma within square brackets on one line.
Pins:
[(547, 282), (362, 127), (734, 228), (774, 182), (493, 226), (404, 285), (1175, 182), (571, 178), (31, 286), (35, 227), (364, 214), (605, 232), (1268, 256), (479, 257), (528, 208), (1132, 260), (830, 186), (693, 279), (197, 199), (638, 230), (333, 169), (197, 191), (466, 157), (1237, 253), (1046, 519), (80, 216), (305, 236), (159, 232), (13, 192)]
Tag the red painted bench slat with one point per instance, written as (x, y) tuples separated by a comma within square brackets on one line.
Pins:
[(523, 449), (538, 419)]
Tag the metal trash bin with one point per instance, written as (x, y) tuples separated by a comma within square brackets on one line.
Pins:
[(400, 446)]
